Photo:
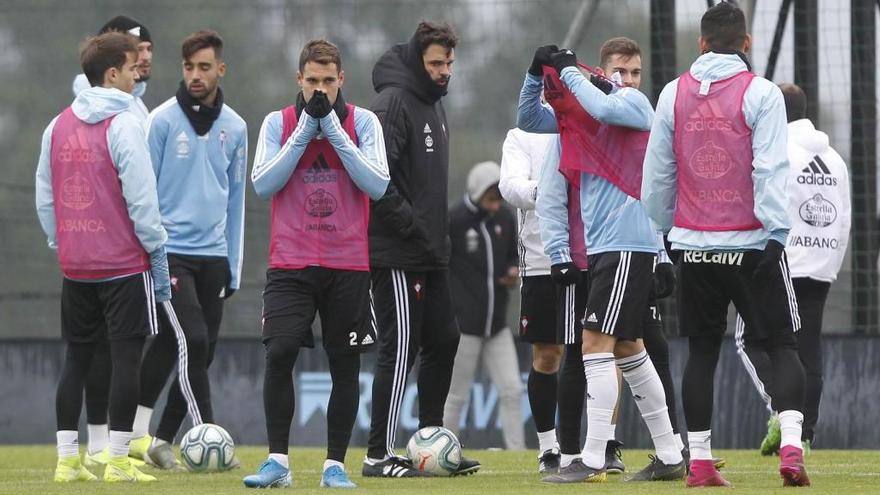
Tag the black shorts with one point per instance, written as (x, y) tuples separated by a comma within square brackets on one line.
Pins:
[(115, 309), (341, 297), (621, 294), (709, 281), (549, 313)]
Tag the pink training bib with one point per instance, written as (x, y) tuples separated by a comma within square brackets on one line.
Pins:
[(614, 153), (319, 218), (94, 233), (713, 149)]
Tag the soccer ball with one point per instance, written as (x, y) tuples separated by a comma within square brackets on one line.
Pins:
[(434, 450), (207, 448)]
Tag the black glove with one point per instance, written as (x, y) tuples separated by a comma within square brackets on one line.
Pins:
[(542, 58), (603, 84), (769, 259), (664, 280), (318, 106), (562, 59), (565, 273)]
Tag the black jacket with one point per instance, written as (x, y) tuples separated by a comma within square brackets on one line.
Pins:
[(408, 225), (483, 250)]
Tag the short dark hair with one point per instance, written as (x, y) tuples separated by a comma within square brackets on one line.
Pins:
[(795, 101), (724, 27), (200, 40), (322, 52), (99, 53), (429, 33), (618, 46)]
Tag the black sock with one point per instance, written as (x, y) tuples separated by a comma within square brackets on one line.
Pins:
[(572, 386), (98, 385), (125, 355), (278, 394), (343, 406), (698, 383), (542, 390), (69, 395)]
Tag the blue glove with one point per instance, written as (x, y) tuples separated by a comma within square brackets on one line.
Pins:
[(161, 278)]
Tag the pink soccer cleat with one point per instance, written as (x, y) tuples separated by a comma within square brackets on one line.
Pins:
[(791, 466), (703, 473)]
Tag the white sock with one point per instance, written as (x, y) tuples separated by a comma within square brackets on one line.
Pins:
[(372, 461), (280, 459), (141, 424), (330, 462), (647, 389), (565, 460), (790, 423), (157, 442), (547, 440), (679, 444), (97, 438), (119, 443), (67, 442), (602, 394), (701, 444), (613, 432)]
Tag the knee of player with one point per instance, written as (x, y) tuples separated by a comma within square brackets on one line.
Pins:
[(546, 358), (281, 349)]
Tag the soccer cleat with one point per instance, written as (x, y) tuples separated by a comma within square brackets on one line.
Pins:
[(138, 448), (613, 458), (98, 460), (718, 462), (392, 467), (703, 473), (120, 468), (466, 467), (770, 444), (162, 457), (791, 467), (335, 477), (70, 468), (548, 461), (657, 470), (270, 475), (577, 472)]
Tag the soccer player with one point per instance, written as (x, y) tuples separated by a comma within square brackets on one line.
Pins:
[(820, 214), (96, 201), (97, 388), (482, 269), (714, 179), (549, 313), (320, 160), (620, 240), (409, 243), (198, 146)]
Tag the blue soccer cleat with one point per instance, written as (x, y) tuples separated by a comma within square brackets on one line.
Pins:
[(335, 477), (270, 475)]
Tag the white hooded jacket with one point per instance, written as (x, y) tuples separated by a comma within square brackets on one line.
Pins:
[(522, 156), (819, 205)]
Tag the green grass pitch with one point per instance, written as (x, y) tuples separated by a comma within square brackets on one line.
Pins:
[(28, 469)]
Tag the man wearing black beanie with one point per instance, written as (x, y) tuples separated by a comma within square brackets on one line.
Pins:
[(125, 24)]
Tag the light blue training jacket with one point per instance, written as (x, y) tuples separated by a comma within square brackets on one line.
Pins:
[(128, 150), (80, 82), (613, 221), (201, 183), (764, 110), (366, 162)]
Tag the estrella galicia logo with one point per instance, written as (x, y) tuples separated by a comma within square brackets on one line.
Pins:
[(710, 161), (818, 211), (816, 172), (321, 204), (319, 172)]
